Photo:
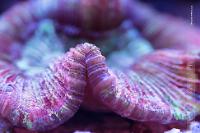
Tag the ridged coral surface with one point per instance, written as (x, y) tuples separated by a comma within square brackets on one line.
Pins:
[(138, 93), (45, 76)]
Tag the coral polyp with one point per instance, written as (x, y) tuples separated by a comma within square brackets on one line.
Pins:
[(44, 100), (48, 70), (160, 87)]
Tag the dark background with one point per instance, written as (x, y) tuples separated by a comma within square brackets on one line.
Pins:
[(181, 8)]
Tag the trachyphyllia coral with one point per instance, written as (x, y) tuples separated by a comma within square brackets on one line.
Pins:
[(143, 92), (49, 77)]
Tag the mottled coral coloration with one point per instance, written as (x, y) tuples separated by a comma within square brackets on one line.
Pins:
[(45, 77)]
